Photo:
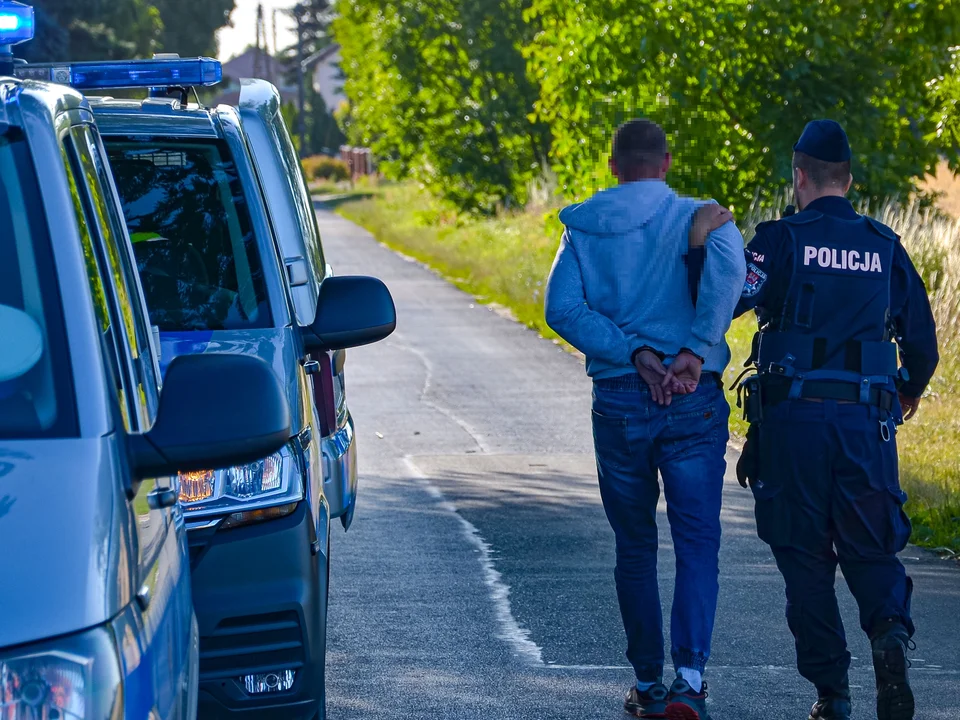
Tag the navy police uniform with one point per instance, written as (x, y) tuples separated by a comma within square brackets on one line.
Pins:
[(836, 296)]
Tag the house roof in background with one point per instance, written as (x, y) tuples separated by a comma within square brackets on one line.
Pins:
[(270, 68), (320, 55)]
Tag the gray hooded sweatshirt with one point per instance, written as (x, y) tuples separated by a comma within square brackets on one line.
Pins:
[(619, 280)]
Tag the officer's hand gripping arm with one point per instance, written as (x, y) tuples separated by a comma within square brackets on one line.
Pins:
[(723, 273)]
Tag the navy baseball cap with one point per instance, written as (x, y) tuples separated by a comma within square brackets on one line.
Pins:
[(824, 140)]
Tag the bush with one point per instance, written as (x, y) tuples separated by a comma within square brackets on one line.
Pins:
[(324, 167), (734, 83)]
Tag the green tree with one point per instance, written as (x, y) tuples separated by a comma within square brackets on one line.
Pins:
[(313, 17), (946, 94), (438, 90), (93, 30), (323, 133), (734, 81), (190, 26)]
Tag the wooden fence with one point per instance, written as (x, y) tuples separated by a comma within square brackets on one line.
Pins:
[(359, 160)]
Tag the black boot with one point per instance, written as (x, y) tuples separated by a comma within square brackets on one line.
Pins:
[(832, 708), (834, 703), (890, 641)]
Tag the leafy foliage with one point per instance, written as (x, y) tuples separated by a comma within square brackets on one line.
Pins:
[(120, 29), (190, 26), (438, 89), (733, 82), (92, 30), (945, 91), (313, 18), (322, 133)]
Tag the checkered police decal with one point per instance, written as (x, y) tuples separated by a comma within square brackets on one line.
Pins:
[(755, 280)]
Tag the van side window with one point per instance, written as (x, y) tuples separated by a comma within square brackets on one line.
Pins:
[(126, 293), (118, 377), (306, 217), (120, 254), (37, 397), (193, 234)]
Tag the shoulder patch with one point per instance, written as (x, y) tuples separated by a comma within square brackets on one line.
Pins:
[(755, 280)]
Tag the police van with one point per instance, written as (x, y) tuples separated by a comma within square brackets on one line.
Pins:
[(229, 255), (97, 618)]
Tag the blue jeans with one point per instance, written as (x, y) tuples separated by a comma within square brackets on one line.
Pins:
[(686, 442)]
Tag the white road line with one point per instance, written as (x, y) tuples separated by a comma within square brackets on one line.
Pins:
[(510, 631), (519, 638), (396, 341)]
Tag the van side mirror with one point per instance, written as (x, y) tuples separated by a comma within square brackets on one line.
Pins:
[(351, 311), (216, 410)]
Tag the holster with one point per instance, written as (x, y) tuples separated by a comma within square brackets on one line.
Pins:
[(752, 400)]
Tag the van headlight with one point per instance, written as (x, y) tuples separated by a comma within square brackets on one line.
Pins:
[(271, 482), (77, 677)]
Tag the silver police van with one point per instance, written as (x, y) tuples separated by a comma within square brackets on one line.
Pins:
[(96, 617), (230, 259)]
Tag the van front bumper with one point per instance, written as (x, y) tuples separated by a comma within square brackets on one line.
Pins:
[(339, 452), (260, 598)]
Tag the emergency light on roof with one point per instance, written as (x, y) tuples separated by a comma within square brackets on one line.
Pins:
[(174, 72), (16, 22)]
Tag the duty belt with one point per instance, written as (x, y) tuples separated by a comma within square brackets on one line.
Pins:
[(775, 392)]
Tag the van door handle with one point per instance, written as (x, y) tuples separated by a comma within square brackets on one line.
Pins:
[(143, 597), (162, 498)]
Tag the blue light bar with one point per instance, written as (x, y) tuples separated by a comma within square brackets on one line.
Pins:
[(179, 72), (16, 22)]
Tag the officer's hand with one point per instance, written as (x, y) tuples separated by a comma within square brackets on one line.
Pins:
[(705, 220), (910, 406), (748, 465), (685, 370), (652, 371)]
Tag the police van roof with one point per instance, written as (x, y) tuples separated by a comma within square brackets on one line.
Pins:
[(168, 116), (46, 101), (159, 116)]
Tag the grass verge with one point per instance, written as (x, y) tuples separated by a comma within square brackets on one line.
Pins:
[(505, 260)]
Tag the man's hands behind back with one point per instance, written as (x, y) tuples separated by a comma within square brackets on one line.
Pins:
[(664, 383), (652, 372), (684, 373)]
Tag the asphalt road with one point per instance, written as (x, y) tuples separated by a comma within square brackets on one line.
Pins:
[(477, 578)]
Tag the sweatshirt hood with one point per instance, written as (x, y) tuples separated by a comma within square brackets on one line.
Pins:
[(617, 210)]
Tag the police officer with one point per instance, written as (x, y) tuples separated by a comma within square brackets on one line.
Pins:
[(835, 295)]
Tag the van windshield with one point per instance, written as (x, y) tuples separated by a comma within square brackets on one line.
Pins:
[(192, 234), (36, 387)]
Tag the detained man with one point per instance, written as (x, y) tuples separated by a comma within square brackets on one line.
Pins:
[(619, 293)]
